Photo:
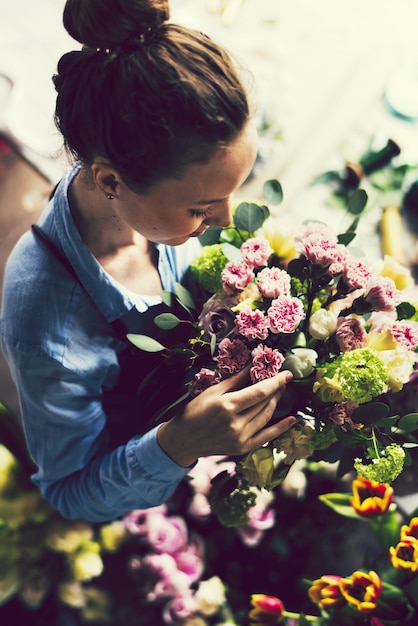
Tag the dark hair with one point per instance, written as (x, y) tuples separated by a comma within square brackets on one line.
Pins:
[(145, 94)]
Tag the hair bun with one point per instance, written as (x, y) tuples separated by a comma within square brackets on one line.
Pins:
[(108, 23)]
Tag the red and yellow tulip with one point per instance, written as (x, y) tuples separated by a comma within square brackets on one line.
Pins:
[(362, 590), (266, 609), (405, 554), (370, 498), (325, 592)]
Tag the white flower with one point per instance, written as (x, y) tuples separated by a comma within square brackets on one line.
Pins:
[(210, 595), (322, 324), (300, 361)]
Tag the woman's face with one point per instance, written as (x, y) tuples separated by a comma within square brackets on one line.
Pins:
[(176, 209)]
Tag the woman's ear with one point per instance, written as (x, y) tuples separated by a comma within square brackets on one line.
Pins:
[(105, 178)]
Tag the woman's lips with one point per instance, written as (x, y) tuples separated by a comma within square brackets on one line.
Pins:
[(199, 232)]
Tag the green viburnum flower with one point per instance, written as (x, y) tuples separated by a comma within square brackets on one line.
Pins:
[(362, 375), (384, 469), (207, 267)]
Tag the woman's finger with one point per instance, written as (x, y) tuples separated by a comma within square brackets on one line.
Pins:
[(270, 433)]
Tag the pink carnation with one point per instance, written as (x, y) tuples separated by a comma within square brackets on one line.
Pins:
[(256, 252), (338, 265), (266, 362), (260, 520), (273, 282), (357, 274), (350, 334), (405, 333), (315, 229), (252, 324), (204, 379), (285, 314), (179, 608), (233, 356), (236, 276), (320, 250), (383, 295), (167, 534)]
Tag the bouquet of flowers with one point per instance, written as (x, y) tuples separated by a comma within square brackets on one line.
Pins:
[(309, 302)]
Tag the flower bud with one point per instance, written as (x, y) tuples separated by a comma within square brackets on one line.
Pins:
[(322, 324)]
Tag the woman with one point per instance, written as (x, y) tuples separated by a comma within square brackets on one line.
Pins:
[(158, 123)]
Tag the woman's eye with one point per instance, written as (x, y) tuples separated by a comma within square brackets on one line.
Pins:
[(201, 214)]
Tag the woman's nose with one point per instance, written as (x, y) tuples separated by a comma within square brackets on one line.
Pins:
[(222, 216)]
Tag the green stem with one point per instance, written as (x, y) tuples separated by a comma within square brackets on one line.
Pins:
[(376, 449)]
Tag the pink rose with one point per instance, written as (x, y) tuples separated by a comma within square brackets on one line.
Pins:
[(175, 584), (285, 314), (273, 282), (252, 324), (167, 534), (190, 559), (217, 318), (137, 522), (350, 334), (179, 609), (236, 276), (266, 362), (256, 252)]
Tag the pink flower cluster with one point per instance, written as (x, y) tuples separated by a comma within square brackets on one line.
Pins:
[(174, 562)]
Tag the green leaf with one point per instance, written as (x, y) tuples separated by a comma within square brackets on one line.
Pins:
[(333, 176), (166, 321), (167, 298), (273, 192), (340, 503), (145, 343), (298, 268), (370, 413), (408, 423), (357, 202), (346, 238), (249, 216), (184, 296), (210, 236), (405, 310)]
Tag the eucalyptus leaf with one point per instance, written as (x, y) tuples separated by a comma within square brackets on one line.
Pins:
[(408, 423), (273, 192), (370, 413), (210, 236), (405, 311), (145, 343), (346, 238), (184, 296), (167, 298), (249, 216), (166, 321), (357, 201)]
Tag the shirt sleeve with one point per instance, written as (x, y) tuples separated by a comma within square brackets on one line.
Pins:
[(67, 438)]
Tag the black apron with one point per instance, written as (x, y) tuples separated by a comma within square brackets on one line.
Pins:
[(148, 382)]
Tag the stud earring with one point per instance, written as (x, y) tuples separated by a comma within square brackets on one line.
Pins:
[(110, 197)]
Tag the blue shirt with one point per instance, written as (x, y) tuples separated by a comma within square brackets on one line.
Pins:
[(56, 337)]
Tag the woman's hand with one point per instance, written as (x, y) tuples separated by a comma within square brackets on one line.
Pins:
[(228, 418)]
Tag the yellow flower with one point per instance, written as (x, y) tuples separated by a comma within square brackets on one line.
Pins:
[(362, 590), (328, 389), (405, 554), (8, 469), (325, 592), (66, 536), (381, 341), (96, 606), (112, 535), (87, 563), (210, 595), (258, 467), (71, 592), (401, 275), (370, 498), (411, 530), (280, 233), (400, 365)]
